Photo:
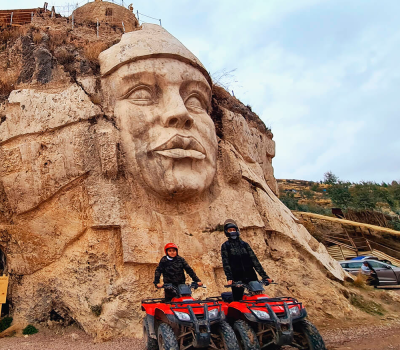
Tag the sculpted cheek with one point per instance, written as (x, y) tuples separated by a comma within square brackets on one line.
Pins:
[(133, 119), (207, 130)]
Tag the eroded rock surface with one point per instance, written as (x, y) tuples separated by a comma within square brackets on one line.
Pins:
[(91, 193)]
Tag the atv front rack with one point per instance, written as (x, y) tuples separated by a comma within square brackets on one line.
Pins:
[(281, 321), (153, 301), (201, 325), (176, 303)]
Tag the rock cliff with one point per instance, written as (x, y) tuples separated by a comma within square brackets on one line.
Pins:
[(86, 205)]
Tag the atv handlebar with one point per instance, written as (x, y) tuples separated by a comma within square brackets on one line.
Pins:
[(193, 285), (245, 285)]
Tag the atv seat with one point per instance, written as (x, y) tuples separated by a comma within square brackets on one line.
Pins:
[(227, 297)]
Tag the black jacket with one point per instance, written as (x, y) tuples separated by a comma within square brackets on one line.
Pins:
[(239, 261), (173, 271)]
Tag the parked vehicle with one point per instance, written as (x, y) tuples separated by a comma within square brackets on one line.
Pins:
[(186, 323), (364, 257), (387, 274), (269, 323)]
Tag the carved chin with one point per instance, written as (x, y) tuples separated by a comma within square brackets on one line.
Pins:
[(181, 185), (179, 180)]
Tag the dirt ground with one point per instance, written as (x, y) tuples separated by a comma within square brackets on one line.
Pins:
[(378, 334), (381, 337)]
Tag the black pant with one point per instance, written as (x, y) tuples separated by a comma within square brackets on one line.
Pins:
[(237, 292), (373, 280), (169, 294)]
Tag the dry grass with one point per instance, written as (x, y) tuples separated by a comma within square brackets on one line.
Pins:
[(93, 50), (10, 34), (360, 281), (56, 39), (37, 38), (8, 81), (64, 56)]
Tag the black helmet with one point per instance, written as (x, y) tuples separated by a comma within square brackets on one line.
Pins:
[(230, 224)]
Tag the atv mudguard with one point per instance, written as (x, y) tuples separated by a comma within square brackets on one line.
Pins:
[(150, 324)]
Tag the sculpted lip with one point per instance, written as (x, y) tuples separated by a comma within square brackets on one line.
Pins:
[(181, 147)]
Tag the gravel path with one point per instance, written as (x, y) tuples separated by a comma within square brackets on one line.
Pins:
[(371, 337), (72, 339)]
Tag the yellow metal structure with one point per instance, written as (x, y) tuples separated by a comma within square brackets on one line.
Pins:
[(3, 290)]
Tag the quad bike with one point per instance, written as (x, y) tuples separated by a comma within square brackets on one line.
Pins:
[(261, 322), (185, 323)]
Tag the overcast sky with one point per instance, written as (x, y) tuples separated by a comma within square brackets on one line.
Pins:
[(324, 75)]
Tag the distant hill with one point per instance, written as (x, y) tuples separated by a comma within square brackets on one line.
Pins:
[(367, 202)]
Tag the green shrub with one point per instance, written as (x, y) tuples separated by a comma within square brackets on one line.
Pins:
[(5, 323), (370, 307), (29, 329), (96, 310)]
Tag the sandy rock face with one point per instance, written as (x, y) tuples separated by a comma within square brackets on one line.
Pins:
[(91, 194)]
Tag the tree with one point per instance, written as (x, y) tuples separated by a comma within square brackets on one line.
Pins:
[(330, 178), (365, 195), (340, 195)]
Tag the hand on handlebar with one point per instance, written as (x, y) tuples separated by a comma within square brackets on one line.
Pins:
[(231, 283), (160, 285), (200, 284), (267, 281)]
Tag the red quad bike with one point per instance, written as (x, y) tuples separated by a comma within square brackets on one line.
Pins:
[(185, 323), (261, 322)]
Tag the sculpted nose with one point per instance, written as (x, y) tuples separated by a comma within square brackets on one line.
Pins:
[(177, 117)]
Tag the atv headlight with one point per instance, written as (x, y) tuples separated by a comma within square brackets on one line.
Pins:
[(182, 316), (262, 315), (213, 313), (294, 311)]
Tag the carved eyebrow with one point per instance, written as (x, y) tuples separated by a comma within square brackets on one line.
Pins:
[(197, 85), (135, 79)]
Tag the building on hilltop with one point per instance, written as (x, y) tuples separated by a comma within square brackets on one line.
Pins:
[(107, 12)]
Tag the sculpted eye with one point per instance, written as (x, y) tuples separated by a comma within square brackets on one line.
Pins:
[(141, 96), (194, 103)]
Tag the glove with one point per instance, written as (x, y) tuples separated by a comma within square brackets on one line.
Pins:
[(266, 281)]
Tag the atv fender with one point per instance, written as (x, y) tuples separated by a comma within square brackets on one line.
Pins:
[(150, 323)]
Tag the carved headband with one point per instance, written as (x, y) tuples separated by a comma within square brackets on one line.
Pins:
[(151, 41)]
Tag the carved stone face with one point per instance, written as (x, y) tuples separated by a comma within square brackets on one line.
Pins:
[(167, 135)]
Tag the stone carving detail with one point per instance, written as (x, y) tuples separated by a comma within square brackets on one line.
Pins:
[(90, 194)]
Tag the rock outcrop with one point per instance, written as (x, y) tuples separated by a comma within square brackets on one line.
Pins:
[(99, 172)]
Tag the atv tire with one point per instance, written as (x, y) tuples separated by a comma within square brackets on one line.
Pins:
[(307, 335), (228, 336), (150, 343), (166, 338), (246, 337)]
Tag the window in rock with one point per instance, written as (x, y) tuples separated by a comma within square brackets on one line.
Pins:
[(109, 12)]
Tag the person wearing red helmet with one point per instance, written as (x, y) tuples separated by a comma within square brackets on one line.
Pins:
[(172, 267)]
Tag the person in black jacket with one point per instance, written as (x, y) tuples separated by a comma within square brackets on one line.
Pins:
[(239, 260), (173, 267)]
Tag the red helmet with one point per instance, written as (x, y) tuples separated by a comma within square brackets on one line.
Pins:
[(170, 245)]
